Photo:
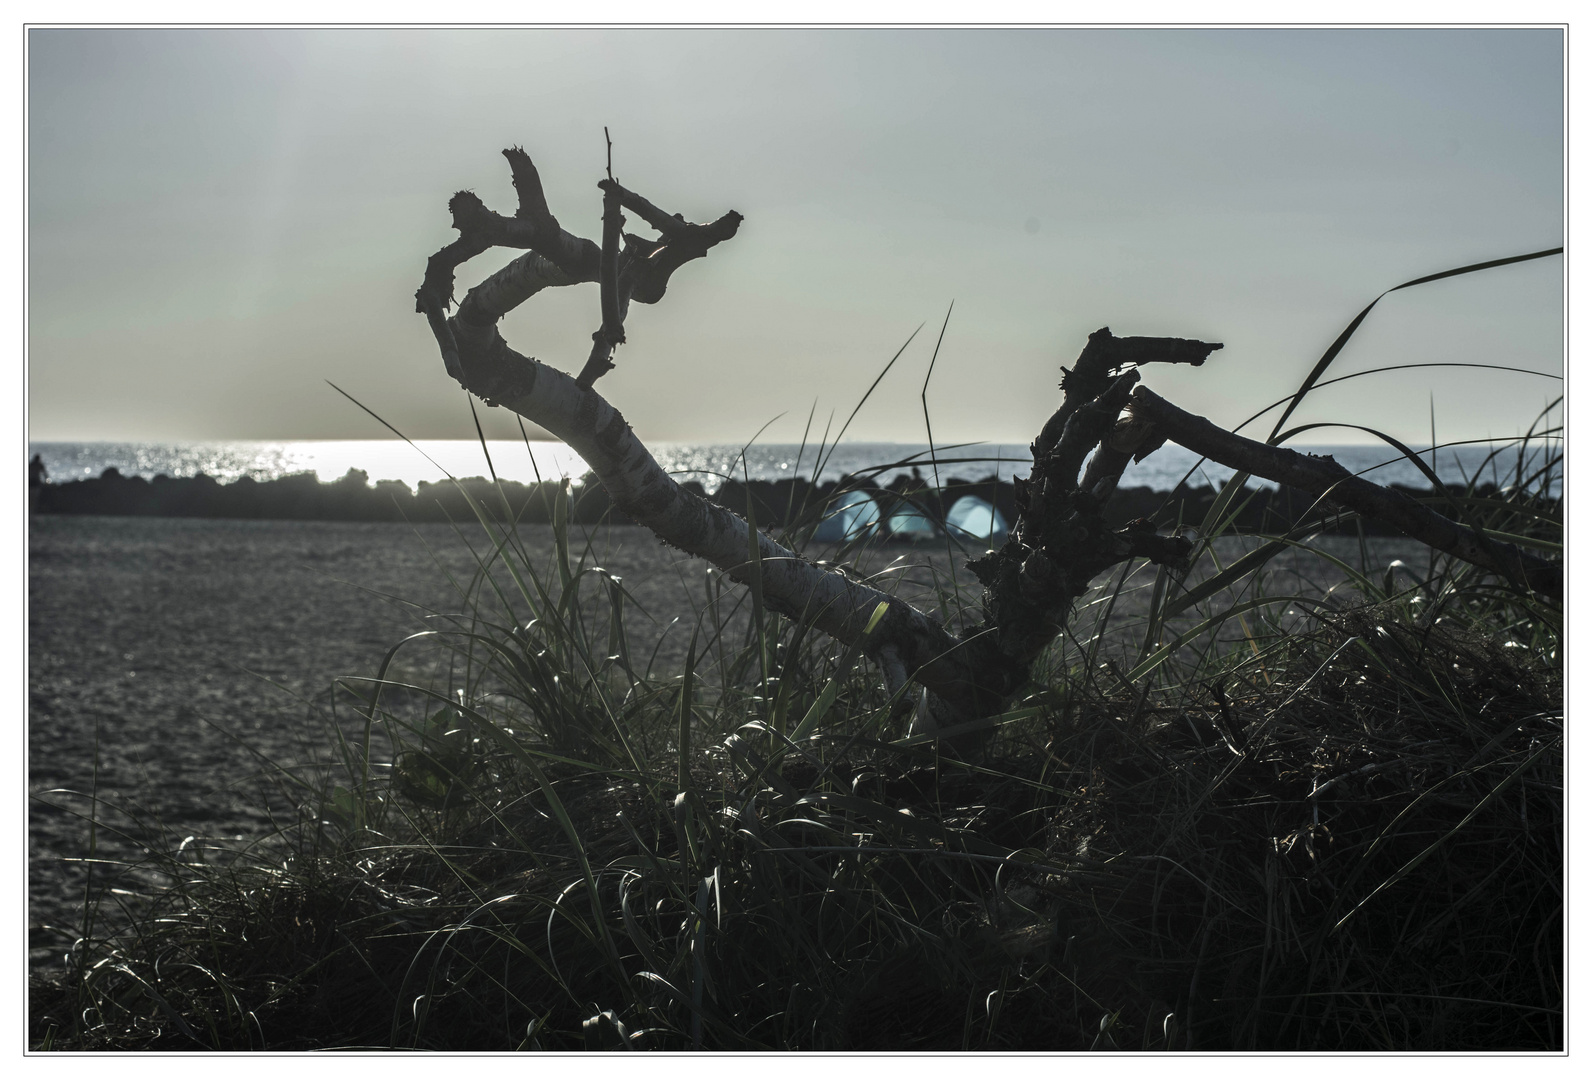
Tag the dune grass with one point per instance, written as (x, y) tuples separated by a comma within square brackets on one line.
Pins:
[(1249, 819), (1343, 837)]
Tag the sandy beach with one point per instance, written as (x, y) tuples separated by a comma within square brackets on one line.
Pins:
[(186, 651), (183, 653)]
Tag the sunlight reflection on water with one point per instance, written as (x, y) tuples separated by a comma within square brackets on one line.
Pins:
[(709, 464)]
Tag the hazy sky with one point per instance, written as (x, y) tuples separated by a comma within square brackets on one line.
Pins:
[(221, 221)]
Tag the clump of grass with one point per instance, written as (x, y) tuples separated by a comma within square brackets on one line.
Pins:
[(1341, 834)]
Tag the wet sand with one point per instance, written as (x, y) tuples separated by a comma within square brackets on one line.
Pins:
[(179, 652)]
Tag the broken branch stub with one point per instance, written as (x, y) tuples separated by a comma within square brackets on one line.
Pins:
[(611, 333), (576, 257), (1103, 358), (1061, 541)]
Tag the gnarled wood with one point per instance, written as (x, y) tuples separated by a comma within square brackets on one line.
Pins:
[(1058, 546)]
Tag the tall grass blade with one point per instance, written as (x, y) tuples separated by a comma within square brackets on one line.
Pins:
[(1343, 339), (686, 680)]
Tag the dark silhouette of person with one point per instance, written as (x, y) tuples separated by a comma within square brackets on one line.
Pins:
[(37, 473)]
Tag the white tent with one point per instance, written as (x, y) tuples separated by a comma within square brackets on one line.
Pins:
[(909, 523), (851, 515), (974, 519)]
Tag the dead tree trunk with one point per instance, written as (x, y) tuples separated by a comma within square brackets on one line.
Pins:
[(1058, 546)]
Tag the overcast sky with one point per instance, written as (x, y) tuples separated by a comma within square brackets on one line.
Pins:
[(221, 221)]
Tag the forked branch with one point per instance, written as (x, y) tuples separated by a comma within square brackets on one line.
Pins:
[(1058, 546), (628, 267)]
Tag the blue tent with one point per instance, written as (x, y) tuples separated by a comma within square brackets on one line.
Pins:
[(851, 515), (909, 523), (974, 519)]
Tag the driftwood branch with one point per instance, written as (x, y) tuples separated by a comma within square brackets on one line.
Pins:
[(1325, 478), (828, 600), (627, 267), (1059, 544), (612, 331)]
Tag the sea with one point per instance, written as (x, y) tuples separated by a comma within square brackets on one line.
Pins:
[(434, 461)]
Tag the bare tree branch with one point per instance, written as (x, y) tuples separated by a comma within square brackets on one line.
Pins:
[(829, 600), (1050, 561), (576, 257), (639, 270), (1325, 478), (510, 287), (611, 333), (1059, 544)]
